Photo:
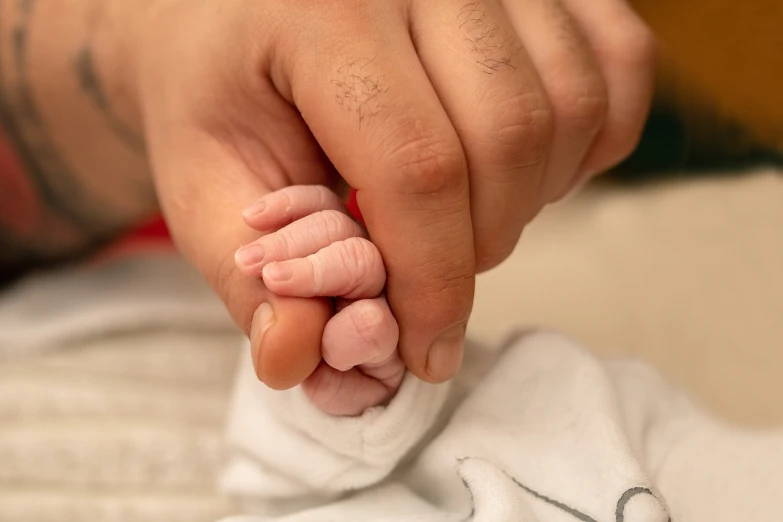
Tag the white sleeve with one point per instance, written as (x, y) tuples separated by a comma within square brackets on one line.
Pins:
[(283, 450)]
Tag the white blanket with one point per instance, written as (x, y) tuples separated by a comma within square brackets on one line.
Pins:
[(114, 383), (548, 434)]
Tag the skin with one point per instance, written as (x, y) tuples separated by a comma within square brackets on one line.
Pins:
[(313, 249), (455, 121)]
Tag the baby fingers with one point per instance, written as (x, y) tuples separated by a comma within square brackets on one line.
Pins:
[(283, 207), (352, 268), (363, 334), (299, 239), (344, 393)]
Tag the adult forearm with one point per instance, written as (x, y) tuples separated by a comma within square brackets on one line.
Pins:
[(73, 167)]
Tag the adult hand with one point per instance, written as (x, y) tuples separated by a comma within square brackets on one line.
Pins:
[(456, 122)]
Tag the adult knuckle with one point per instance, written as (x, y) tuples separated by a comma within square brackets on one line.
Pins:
[(582, 106), (491, 254), (452, 308), (449, 291), (620, 139), (634, 44), (423, 163), (646, 48), (520, 128), (620, 142)]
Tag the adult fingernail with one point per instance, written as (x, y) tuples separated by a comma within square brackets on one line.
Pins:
[(278, 272), (254, 210), (263, 319), (445, 355), (249, 255)]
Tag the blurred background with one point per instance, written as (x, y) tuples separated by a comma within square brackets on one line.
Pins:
[(719, 102), (676, 257)]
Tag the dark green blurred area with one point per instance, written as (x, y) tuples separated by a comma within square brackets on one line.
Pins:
[(692, 140)]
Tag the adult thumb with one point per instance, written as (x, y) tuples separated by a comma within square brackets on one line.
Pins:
[(203, 187)]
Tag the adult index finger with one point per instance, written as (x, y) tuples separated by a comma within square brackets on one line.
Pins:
[(371, 107)]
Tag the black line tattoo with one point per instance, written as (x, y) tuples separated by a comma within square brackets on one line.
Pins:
[(91, 85), (27, 131), (61, 195), (26, 5)]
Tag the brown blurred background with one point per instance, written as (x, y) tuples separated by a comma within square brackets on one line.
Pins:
[(719, 100), (729, 51)]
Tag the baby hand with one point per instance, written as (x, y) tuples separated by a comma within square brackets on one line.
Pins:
[(314, 249)]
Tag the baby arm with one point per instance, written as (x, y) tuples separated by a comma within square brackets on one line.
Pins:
[(312, 248)]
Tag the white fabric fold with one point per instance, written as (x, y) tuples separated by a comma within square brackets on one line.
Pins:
[(550, 434), (349, 452)]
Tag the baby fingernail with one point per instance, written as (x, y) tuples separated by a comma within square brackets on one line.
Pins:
[(249, 255), (263, 318), (445, 355), (255, 209), (278, 272)]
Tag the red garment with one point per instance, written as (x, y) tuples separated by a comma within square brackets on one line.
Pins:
[(353, 207), (155, 228)]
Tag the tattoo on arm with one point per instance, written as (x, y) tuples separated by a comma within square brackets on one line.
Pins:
[(59, 192), (91, 85)]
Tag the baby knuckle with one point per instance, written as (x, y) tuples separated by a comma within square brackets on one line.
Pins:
[(348, 260), (317, 270), (281, 245), (334, 224), (364, 252), (287, 197), (368, 321), (359, 257), (322, 389)]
